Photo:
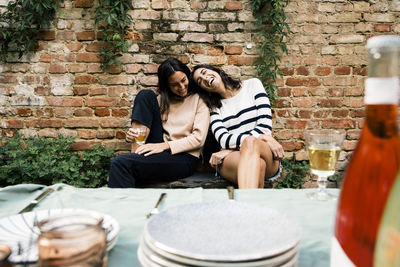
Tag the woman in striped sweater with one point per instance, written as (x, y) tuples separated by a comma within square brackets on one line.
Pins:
[(241, 122)]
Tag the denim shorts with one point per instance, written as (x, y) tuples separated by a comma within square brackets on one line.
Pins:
[(277, 174)]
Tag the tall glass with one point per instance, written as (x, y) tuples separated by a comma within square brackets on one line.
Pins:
[(323, 148)]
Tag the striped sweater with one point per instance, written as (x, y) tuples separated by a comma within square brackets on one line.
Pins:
[(247, 113)]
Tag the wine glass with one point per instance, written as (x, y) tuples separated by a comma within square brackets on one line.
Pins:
[(323, 148)]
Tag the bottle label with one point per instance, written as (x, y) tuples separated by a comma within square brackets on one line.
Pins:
[(382, 91), (338, 256)]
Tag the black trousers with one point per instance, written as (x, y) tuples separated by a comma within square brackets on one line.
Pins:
[(129, 169)]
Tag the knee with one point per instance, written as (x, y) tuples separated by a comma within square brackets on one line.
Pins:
[(145, 95), (249, 145)]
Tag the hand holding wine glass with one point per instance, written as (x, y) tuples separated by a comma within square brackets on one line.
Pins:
[(323, 148)]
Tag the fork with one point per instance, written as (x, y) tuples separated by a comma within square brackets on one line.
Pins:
[(155, 210)]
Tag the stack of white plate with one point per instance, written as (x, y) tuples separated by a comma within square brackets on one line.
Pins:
[(221, 233)]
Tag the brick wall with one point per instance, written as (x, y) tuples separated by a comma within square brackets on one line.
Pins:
[(61, 89)]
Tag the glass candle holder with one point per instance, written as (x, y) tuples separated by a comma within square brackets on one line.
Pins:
[(72, 240)]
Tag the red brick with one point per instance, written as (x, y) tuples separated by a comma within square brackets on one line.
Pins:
[(302, 71), (116, 91), (94, 68), (84, 112), (299, 91), (338, 124), (197, 5), (196, 49), (56, 68), (74, 46), (85, 36), (24, 112), (287, 72), (65, 101), (284, 92), (81, 90), (233, 5), (120, 113), (382, 27), (101, 102), (320, 114), (82, 145), (303, 102), (106, 134), (292, 146), (102, 112), (215, 50), (342, 71), (97, 91), (311, 82), (63, 112), (85, 79), (233, 50), (8, 79), (47, 35), (113, 123), (241, 60), (88, 57), (42, 90), (87, 134), (133, 68), (150, 68), (114, 69), (360, 113), (66, 36), (12, 124), (340, 113), (360, 71), (125, 103), (296, 124), (335, 92), (83, 3), (326, 103), (120, 134), (304, 114), (93, 47), (81, 123), (45, 112), (44, 123)]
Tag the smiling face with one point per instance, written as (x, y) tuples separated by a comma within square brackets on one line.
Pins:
[(178, 83), (208, 79)]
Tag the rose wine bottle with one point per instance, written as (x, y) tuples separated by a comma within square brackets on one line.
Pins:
[(387, 248), (375, 162)]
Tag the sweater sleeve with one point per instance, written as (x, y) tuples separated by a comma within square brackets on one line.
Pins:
[(263, 107), (198, 134), (226, 139)]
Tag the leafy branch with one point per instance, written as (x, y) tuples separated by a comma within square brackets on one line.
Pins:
[(113, 21), (270, 18), (21, 23)]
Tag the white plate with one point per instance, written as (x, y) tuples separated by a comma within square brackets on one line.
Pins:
[(164, 257), (225, 231), (20, 233)]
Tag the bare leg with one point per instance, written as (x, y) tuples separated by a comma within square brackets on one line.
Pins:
[(136, 124)]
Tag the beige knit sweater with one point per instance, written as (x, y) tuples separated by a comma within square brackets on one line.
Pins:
[(187, 125)]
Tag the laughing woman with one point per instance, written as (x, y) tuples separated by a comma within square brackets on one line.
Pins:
[(176, 123), (241, 123)]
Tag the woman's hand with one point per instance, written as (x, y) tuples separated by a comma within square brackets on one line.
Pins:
[(218, 157), (152, 148), (277, 150), (130, 135)]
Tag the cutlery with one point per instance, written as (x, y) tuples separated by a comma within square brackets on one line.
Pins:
[(155, 210), (230, 192), (36, 201)]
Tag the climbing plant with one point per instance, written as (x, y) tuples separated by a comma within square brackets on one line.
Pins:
[(113, 21), (21, 23), (270, 19)]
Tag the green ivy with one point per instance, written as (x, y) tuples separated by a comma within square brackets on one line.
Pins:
[(293, 173), (21, 23), (48, 161), (270, 19), (113, 21)]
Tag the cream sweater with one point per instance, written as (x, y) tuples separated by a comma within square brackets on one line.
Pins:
[(187, 125)]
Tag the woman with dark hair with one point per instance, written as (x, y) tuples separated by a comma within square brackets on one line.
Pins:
[(242, 124), (176, 123)]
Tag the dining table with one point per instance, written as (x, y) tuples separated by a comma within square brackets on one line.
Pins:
[(129, 208)]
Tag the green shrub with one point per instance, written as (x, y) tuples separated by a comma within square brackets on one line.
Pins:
[(45, 161), (293, 173)]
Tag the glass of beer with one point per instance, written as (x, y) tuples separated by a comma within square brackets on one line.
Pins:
[(141, 135), (323, 148)]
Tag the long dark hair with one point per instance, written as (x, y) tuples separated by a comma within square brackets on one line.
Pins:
[(213, 100), (165, 70)]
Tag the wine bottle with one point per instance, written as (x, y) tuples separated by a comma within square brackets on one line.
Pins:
[(375, 162), (387, 248)]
